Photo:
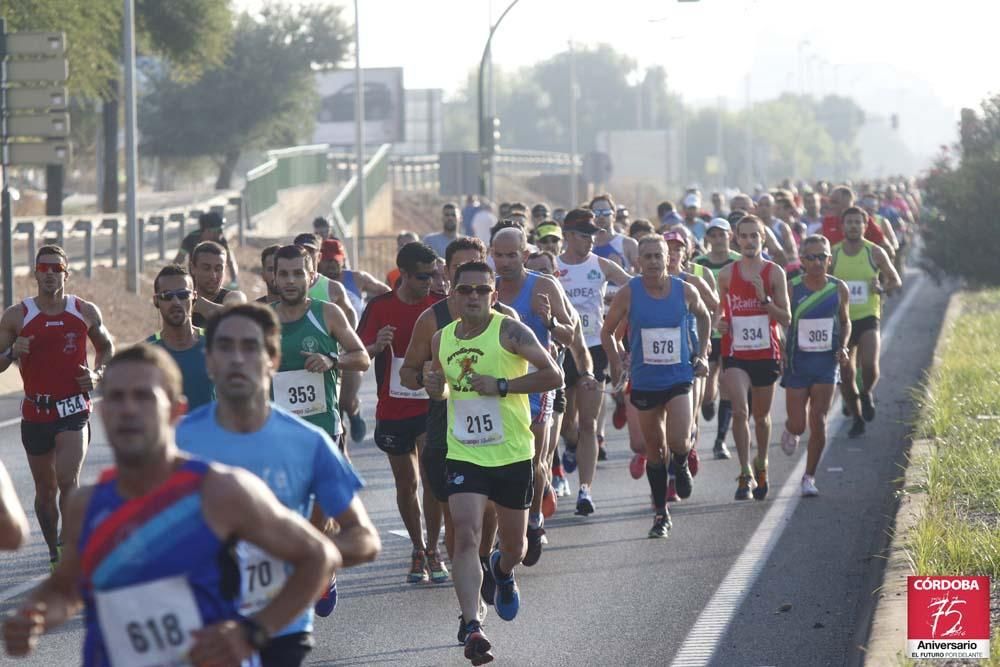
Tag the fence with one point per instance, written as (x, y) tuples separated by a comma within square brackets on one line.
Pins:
[(423, 172), (345, 206), (285, 168)]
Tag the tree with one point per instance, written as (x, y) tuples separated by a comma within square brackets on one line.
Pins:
[(260, 96)]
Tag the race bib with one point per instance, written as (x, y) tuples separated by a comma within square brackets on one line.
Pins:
[(396, 389), (661, 346), (261, 577), (816, 335), (477, 421), (591, 325), (751, 332), (148, 625), (300, 392), (72, 405), (859, 292)]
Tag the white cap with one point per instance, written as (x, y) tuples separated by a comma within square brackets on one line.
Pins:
[(692, 200), (718, 223)]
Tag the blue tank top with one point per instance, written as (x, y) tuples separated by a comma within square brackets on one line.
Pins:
[(522, 304), (198, 387), (658, 337), (814, 336), (613, 250), (353, 292), (160, 536)]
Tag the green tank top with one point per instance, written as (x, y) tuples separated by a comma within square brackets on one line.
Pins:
[(320, 291), (705, 262), (312, 396), (487, 431), (857, 271)]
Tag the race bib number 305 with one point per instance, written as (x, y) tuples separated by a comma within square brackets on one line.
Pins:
[(661, 346), (751, 332), (477, 421), (149, 625), (300, 392), (816, 335)]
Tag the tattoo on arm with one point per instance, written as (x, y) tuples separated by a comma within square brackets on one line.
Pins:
[(516, 333)]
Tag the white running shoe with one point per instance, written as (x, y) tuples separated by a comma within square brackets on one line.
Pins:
[(789, 442), (809, 489)]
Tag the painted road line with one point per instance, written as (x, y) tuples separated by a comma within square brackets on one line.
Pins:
[(22, 587), (710, 627)]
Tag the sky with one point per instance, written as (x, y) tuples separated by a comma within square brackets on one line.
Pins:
[(923, 61)]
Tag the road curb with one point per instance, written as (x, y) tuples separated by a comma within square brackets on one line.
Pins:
[(887, 640)]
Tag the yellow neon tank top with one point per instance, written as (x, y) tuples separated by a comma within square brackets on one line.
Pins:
[(857, 272), (487, 431)]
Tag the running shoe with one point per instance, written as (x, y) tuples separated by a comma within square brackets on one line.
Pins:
[(561, 485), (672, 496), (789, 442), (487, 589), (857, 428), (439, 571), (661, 527), (619, 417), (683, 478), (478, 649), (326, 604), (760, 492), (359, 429), (584, 502), (693, 461), (637, 466), (569, 459), (744, 484), (867, 407), (809, 486), (549, 502), (708, 411), (508, 598), (602, 451), (720, 451), (463, 631), (418, 567), (534, 551)]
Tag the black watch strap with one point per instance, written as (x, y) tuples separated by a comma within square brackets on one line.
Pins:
[(256, 635), (502, 387)]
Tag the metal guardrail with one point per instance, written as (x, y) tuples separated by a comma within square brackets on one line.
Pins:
[(411, 173), (345, 207), (416, 172), (285, 168)]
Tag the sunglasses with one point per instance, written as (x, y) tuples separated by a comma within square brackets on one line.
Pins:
[(422, 277), (467, 290), (168, 295), (816, 258), (50, 268), (603, 212)]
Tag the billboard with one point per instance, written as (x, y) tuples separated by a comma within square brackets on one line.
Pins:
[(385, 116)]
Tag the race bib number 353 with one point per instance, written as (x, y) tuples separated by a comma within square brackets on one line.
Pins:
[(300, 392)]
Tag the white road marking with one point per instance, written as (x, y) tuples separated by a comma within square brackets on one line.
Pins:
[(705, 636), (399, 533), (22, 587), (835, 469)]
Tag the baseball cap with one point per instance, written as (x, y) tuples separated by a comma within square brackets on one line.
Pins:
[(692, 200), (580, 220), (675, 236), (332, 249), (540, 210), (548, 229), (718, 223), (210, 220)]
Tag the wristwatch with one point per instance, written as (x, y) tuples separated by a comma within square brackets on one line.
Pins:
[(256, 634), (10, 354), (552, 324), (766, 300), (502, 387), (335, 358)]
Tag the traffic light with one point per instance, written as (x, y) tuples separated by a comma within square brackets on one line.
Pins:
[(491, 132)]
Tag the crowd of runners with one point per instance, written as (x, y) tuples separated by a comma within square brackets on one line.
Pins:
[(499, 345)]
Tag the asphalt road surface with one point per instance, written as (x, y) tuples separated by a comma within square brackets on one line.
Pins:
[(779, 582)]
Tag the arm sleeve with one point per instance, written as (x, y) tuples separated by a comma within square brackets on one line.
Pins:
[(335, 482)]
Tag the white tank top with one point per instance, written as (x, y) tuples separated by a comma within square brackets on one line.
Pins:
[(585, 285)]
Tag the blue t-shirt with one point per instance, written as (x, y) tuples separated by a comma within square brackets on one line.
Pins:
[(297, 460)]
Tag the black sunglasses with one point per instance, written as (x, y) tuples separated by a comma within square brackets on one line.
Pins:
[(481, 290), (182, 294), (816, 258)]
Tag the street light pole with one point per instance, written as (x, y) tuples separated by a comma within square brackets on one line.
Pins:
[(574, 177), (359, 138), (485, 158), (132, 224)]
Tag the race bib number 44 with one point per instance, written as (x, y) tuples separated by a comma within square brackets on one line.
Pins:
[(477, 421), (148, 625), (751, 332), (858, 292), (661, 346), (300, 392), (816, 335)]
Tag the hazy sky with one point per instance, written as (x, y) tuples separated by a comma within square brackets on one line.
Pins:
[(894, 55)]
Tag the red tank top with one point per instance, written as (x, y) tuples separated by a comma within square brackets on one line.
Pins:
[(752, 333), (49, 370)]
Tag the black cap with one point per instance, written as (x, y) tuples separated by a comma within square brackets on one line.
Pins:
[(210, 220), (580, 220)]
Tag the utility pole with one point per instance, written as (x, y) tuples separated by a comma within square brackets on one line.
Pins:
[(359, 137), (574, 92), (749, 136), (486, 148), (132, 223)]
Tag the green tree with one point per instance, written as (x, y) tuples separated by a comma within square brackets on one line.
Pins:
[(260, 96)]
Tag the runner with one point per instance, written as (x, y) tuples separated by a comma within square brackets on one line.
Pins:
[(754, 294), (297, 461), (207, 266), (608, 244), (657, 307), (47, 335), (14, 528), (401, 413), (481, 367), (841, 199), (322, 229), (816, 343), (870, 205), (173, 296), (868, 273), (148, 547), (267, 274), (585, 277), (542, 306), (322, 288), (719, 237), (210, 228), (438, 241), (403, 238), (782, 231)]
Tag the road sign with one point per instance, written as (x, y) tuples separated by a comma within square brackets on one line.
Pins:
[(52, 124), (36, 44), (50, 97), (37, 153), (46, 69)]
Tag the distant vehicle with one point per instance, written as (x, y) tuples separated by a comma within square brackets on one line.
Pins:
[(339, 107)]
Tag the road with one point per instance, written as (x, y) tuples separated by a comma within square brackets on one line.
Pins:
[(780, 582)]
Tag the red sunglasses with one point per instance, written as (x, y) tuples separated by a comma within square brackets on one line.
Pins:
[(50, 268)]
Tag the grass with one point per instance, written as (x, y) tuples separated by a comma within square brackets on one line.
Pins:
[(959, 531)]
